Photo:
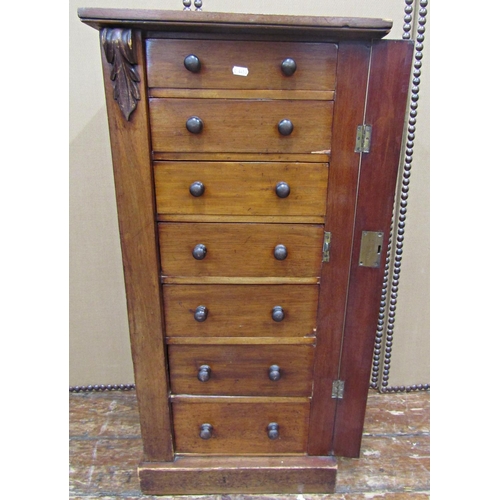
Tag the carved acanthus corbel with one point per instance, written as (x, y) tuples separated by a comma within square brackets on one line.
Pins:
[(120, 53)]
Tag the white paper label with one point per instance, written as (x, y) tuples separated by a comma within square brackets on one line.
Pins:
[(240, 71)]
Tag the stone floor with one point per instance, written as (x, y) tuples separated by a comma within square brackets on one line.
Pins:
[(105, 447)]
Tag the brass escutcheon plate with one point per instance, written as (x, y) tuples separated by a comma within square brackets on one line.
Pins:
[(371, 248)]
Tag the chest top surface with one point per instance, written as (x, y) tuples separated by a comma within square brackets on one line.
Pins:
[(167, 20)]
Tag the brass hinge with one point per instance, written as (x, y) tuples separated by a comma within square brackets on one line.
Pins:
[(363, 139), (338, 389), (327, 241)]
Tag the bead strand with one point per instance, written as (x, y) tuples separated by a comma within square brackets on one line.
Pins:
[(374, 384), (102, 387), (403, 201), (407, 388)]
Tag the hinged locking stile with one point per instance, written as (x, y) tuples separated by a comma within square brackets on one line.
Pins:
[(327, 241), (363, 139), (338, 389)]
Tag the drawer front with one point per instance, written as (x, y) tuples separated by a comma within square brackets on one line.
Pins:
[(242, 126), (241, 370), (240, 428), (230, 188), (245, 250), (240, 310), (315, 65)]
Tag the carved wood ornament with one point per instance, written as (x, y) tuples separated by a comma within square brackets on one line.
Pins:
[(120, 53)]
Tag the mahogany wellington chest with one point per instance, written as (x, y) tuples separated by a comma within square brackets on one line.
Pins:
[(255, 161)]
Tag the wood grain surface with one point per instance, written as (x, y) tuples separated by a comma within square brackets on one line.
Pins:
[(218, 280), (240, 125), (341, 206), (316, 157), (316, 64), (241, 340), (245, 219), (179, 21), (241, 370), (241, 250), (132, 174), (240, 310), (240, 188), (240, 428), (259, 476), (385, 111), (308, 95), (255, 475)]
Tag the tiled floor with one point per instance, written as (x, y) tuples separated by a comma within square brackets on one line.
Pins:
[(105, 447)]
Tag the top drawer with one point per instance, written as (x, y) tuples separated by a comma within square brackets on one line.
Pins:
[(222, 65)]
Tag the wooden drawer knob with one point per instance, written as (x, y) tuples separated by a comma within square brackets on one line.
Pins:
[(282, 189), (194, 124), (278, 314), (274, 373), (206, 431), (280, 252), (285, 127), (200, 314), (199, 251), (288, 66), (204, 373), (197, 189), (192, 63), (273, 430)]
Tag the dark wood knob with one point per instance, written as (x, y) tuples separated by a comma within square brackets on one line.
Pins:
[(278, 314), (204, 373), (288, 66), (274, 373), (206, 431), (282, 189), (197, 188), (192, 63), (201, 314), (280, 252), (273, 430), (199, 251), (285, 127), (194, 124)]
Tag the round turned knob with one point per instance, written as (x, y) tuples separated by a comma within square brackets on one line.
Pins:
[(199, 251), (197, 189), (273, 430), (278, 314), (194, 124), (282, 189), (274, 373), (288, 66), (192, 63), (204, 373), (206, 431), (201, 314), (280, 252), (285, 127)]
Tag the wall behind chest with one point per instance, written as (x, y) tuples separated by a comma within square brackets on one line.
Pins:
[(99, 345)]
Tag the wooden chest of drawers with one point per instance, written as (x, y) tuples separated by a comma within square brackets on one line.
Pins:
[(254, 220)]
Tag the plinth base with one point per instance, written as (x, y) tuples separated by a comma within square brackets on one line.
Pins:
[(190, 475)]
